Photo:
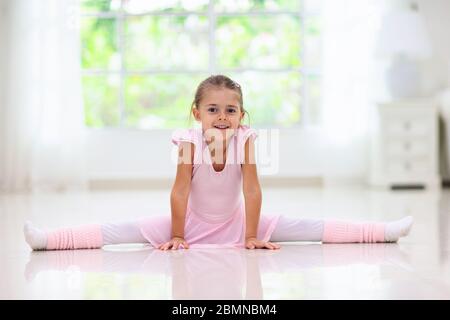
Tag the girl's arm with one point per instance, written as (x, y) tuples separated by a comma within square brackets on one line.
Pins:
[(252, 191), (179, 195), (253, 199)]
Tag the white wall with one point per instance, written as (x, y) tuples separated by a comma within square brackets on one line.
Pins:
[(130, 154), (437, 18), (437, 70), (3, 51)]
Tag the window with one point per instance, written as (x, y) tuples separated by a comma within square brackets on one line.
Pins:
[(143, 59)]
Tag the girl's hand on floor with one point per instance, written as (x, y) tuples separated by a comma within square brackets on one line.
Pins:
[(253, 243), (174, 244)]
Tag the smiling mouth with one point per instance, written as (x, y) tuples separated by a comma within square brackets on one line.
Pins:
[(222, 127)]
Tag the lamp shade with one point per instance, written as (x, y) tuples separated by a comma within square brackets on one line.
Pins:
[(403, 33)]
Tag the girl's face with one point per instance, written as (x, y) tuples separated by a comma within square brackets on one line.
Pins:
[(219, 111)]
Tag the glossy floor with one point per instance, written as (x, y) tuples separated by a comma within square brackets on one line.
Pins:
[(418, 267)]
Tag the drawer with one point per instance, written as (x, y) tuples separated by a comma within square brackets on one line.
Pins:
[(404, 167), (406, 127), (407, 147)]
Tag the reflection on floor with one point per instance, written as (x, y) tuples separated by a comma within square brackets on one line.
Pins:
[(417, 267)]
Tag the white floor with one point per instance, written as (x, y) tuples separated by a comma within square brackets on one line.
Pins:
[(418, 267)]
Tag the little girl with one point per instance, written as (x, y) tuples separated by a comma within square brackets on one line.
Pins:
[(216, 166)]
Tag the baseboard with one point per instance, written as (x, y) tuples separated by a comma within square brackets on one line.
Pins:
[(166, 183), (290, 182), (130, 184)]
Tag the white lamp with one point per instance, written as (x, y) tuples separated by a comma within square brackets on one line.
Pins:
[(403, 37)]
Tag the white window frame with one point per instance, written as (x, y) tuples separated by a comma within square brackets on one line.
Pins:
[(120, 15)]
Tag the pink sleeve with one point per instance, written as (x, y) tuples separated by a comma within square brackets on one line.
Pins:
[(247, 132), (180, 135), (244, 134)]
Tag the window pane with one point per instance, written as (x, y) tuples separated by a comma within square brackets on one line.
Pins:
[(312, 6), (142, 6), (313, 43), (95, 6), (98, 39), (167, 42), (253, 5), (101, 100), (271, 98), (260, 42), (160, 101), (314, 98)]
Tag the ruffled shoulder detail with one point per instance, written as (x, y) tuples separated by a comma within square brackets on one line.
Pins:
[(194, 136), (185, 135), (245, 132)]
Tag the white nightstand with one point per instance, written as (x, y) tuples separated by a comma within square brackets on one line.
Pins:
[(404, 145)]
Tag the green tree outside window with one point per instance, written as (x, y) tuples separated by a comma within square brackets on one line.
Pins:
[(142, 60)]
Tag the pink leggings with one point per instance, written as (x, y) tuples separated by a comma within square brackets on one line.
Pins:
[(287, 229)]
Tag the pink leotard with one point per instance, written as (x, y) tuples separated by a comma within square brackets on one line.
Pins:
[(215, 215)]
